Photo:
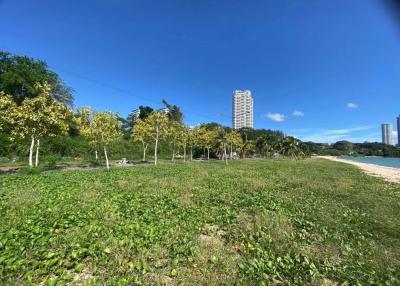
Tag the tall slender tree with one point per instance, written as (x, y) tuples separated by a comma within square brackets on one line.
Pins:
[(222, 140), (140, 134), (233, 140), (101, 129), (207, 138), (175, 136), (157, 126)]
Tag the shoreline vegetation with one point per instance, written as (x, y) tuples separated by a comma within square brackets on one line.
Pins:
[(388, 173)]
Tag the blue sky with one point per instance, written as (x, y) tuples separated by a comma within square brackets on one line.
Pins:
[(319, 70)]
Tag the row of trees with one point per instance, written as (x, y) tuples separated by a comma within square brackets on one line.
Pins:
[(42, 116), (36, 105)]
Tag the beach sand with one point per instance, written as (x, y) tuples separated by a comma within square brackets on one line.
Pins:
[(388, 173)]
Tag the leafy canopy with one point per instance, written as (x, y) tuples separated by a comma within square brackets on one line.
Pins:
[(99, 127), (19, 75), (39, 116)]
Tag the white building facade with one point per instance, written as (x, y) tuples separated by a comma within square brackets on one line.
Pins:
[(242, 109), (398, 131), (387, 133)]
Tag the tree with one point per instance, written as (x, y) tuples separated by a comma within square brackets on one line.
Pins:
[(19, 75), (84, 119), (133, 117), (100, 128), (175, 136), (233, 140), (290, 147), (345, 146), (222, 139), (107, 128), (7, 109), (207, 139), (145, 111), (174, 112), (140, 134), (189, 140), (39, 117), (157, 124)]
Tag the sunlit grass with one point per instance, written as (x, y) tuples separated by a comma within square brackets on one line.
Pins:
[(252, 222)]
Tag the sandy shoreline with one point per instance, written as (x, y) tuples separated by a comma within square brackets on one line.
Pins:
[(388, 173)]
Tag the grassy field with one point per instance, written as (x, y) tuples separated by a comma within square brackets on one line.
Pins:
[(254, 222)]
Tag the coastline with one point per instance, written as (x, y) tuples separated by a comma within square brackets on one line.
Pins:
[(388, 173)]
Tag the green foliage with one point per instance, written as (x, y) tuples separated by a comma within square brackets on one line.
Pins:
[(258, 222), (7, 109), (174, 112), (39, 117), (31, 171), (20, 74), (353, 149)]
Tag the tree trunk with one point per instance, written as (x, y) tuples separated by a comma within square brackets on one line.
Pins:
[(184, 153), (173, 153), (105, 151), (144, 151), (191, 154), (37, 152), (97, 156), (105, 155), (31, 152), (155, 148), (231, 155), (226, 159), (208, 153)]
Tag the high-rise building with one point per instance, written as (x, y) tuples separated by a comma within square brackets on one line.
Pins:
[(387, 132), (242, 109), (398, 130), (135, 115)]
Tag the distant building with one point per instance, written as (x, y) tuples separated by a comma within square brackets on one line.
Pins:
[(135, 115), (242, 109), (398, 130), (164, 109), (387, 132)]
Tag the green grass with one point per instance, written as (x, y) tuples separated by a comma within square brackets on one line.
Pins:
[(254, 222)]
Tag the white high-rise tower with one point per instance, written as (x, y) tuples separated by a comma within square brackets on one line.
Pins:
[(387, 132), (242, 109), (398, 131)]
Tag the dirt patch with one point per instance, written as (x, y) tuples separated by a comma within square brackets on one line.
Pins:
[(276, 224), (83, 277), (161, 279), (215, 262), (253, 219), (186, 198), (322, 251), (122, 184), (328, 282)]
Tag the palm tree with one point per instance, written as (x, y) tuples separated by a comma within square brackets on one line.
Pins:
[(291, 147)]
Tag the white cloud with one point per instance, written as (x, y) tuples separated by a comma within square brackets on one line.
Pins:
[(353, 134), (298, 113), (352, 105), (277, 117)]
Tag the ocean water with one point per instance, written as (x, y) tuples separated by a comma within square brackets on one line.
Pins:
[(382, 161)]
